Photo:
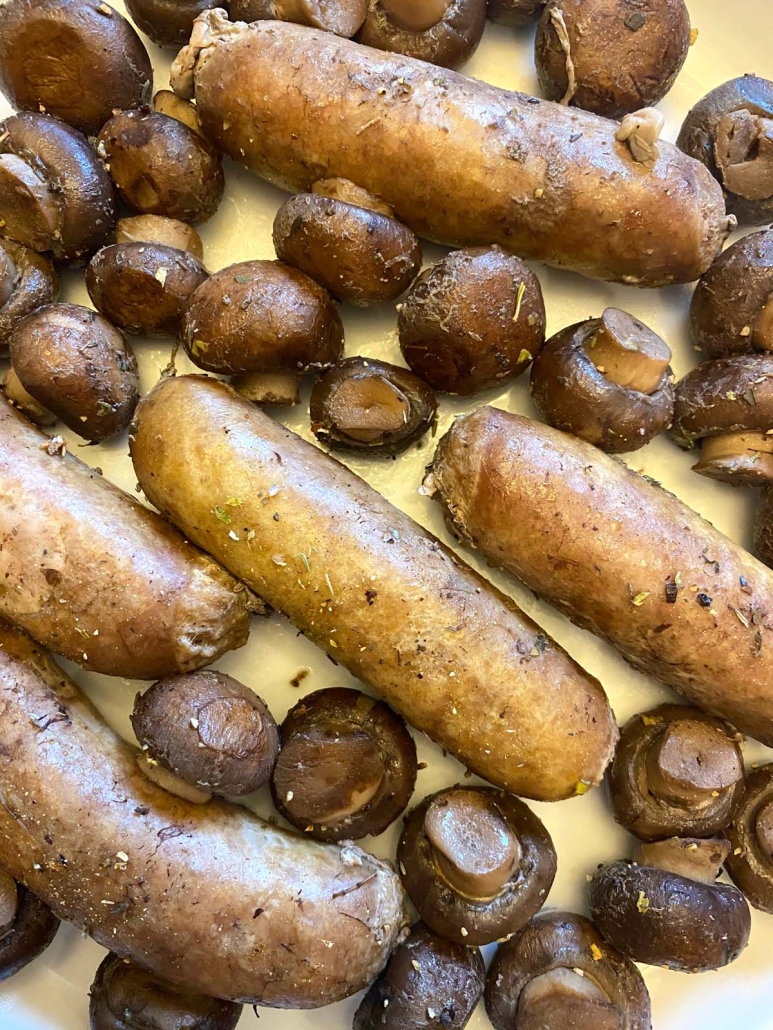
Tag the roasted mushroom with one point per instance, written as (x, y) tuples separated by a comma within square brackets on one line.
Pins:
[(354, 250), (476, 862), (750, 861), (78, 366), (444, 32), (514, 12), (54, 193), (666, 909), (343, 17), (19, 398), (676, 771), (143, 287), (125, 997), (559, 973), (27, 926), (261, 316), (731, 131), (78, 60), (168, 103), (732, 307), (169, 232), (473, 321), (280, 388), (166, 22), (362, 404), (27, 281), (208, 730), (160, 166), (611, 56), (605, 380), (347, 765), (763, 528), (430, 982)]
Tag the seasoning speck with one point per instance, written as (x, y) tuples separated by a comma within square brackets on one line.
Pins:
[(703, 600), (640, 598), (596, 952), (642, 903)]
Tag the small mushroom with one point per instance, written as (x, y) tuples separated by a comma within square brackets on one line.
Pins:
[(442, 32), (430, 982), (356, 252), (362, 404), (280, 388), (143, 287), (763, 528), (476, 862), (606, 380), (343, 17), (750, 861), (472, 322), (732, 308), (610, 56), (676, 772), (559, 973), (27, 281), (78, 366), (727, 405), (160, 166), (27, 926), (347, 765), (169, 232), (731, 131), (208, 730), (261, 316), (125, 997), (666, 909), (54, 193), (514, 12), (78, 60), (166, 22)]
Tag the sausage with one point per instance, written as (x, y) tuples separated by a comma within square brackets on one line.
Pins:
[(97, 577), (618, 555), (209, 897), (381, 595), (296, 105)]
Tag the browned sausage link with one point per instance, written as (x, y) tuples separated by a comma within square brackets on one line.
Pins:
[(208, 897), (381, 595), (95, 576), (296, 105), (619, 556)]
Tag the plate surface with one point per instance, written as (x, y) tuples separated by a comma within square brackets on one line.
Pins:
[(52, 994)]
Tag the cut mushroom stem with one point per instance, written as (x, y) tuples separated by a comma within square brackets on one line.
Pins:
[(9, 276), (744, 154), (25, 402), (368, 408), (696, 859), (737, 457), (30, 213), (628, 352), (169, 232), (690, 763), (173, 784), (268, 387), (566, 998), (416, 15), (349, 193), (168, 103)]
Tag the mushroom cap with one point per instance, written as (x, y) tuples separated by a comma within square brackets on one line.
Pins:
[(661, 918), (750, 862), (467, 920), (37, 284), (166, 22), (343, 17), (724, 396), (33, 929), (448, 42)]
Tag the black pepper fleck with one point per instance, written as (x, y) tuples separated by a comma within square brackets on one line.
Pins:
[(703, 600)]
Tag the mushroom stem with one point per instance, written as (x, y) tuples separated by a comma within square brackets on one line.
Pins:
[(30, 213), (564, 998), (628, 353), (737, 457), (744, 154), (9, 902), (762, 333), (168, 781), (416, 15), (168, 103), (686, 856), (367, 408), (9, 276), (349, 193), (25, 402), (282, 388), (691, 763)]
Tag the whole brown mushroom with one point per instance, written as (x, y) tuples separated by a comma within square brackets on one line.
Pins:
[(168, 232), (27, 281), (514, 12), (750, 860), (343, 17), (473, 321), (429, 982), (27, 926), (207, 730), (731, 131), (443, 32), (666, 909), (558, 972), (476, 862), (676, 771), (606, 380), (346, 768), (166, 22)]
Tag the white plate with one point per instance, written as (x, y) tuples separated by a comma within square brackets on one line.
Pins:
[(52, 994)]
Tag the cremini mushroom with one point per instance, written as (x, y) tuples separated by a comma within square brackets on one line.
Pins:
[(443, 32), (750, 861), (27, 926), (343, 17), (166, 22), (27, 281)]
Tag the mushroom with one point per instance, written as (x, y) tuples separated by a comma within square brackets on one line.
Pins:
[(54, 193), (281, 388), (676, 772), (78, 60), (430, 982), (209, 731), (160, 166), (347, 765), (476, 862), (166, 22), (125, 997), (261, 316), (727, 404), (610, 56), (19, 398), (666, 909), (169, 232), (78, 366), (27, 926), (472, 322), (732, 307), (27, 281), (363, 404), (143, 287), (343, 17), (763, 528), (731, 131), (444, 32), (168, 103), (514, 12), (750, 861), (606, 380), (354, 250), (558, 972)]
